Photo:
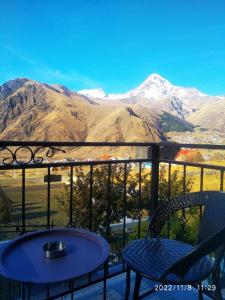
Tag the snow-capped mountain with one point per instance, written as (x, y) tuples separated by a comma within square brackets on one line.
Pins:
[(154, 87), (93, 93), (158, 92)]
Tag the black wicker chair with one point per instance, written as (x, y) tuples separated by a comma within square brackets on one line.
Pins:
[(173, 262)]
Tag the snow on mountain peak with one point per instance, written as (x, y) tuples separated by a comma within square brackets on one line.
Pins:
[(154, 87), (155, 77), (93, 93)]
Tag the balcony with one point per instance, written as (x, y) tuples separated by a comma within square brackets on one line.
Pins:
[(48, 185)]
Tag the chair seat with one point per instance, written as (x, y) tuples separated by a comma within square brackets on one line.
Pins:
[(152, 257)]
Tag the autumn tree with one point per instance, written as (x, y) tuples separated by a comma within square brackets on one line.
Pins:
[(105, 201), (107, 194)]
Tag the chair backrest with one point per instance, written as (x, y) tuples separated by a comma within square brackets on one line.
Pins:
[(163, 213), (213, 217)]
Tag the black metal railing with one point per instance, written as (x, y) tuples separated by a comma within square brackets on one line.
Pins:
[(140, 184)]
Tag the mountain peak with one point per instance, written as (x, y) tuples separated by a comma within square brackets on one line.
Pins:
[(10, 86), (153, 86), (155, 77)]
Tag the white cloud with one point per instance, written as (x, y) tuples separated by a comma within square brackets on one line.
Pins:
[(45, 73)]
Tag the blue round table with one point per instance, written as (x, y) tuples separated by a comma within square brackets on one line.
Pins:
[(23, 258)]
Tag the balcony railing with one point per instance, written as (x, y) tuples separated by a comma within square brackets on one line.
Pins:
[(42, 185)]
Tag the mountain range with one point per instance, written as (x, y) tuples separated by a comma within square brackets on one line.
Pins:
[(30, 110), (186, 103)]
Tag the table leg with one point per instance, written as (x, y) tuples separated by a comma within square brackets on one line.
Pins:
[(28, 290), (71, 288), (47, 291), (22, 290), (9, 289), (104, 282)]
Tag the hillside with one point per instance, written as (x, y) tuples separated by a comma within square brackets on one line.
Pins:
[(170, 123), (210, 116), (32, 111), (35, 111)]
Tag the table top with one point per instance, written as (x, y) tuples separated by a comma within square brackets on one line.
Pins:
[(23, 258)]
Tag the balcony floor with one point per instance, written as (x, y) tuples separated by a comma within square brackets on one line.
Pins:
[(116, 288)]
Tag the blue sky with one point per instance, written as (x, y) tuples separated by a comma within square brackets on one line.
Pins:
[(114, 44)]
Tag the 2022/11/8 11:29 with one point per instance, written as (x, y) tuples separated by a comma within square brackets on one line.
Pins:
[(188, 287)]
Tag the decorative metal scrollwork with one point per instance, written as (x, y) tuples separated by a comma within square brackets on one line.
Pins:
[(8, 160), (12, 156), (50, 153)]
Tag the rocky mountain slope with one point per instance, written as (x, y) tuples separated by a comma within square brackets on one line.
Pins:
[(33, 111)]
